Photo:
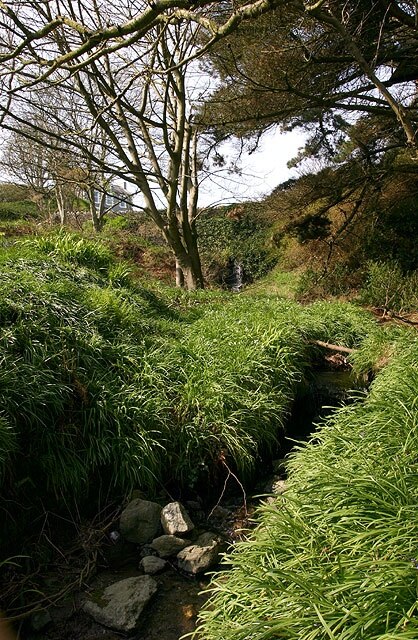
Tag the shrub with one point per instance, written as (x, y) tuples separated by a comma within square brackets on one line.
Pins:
[(17, 210), (225, 238), (118, 223), (10, 192), (388, 287), (339, 280)]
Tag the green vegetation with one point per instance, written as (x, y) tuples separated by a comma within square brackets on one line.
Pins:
[(10, 192), (11, 211), (71, 353), (108, 385), (336, 556), (278, 282), (236, 233), (389, 287), (101, 377)]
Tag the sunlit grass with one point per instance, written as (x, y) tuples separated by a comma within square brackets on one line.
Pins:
[(284, 284), (104, 378), (336, 556)]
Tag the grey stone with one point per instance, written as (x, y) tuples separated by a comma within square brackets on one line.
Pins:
[(220, 513), (175, 519), (276, 486), (140, 521), (202, 555), (152, 564), (167, 546), (120, 605)]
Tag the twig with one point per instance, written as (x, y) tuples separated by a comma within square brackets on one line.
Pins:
[(404, 319), (230, 473)]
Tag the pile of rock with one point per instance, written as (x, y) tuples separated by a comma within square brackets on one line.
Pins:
[(142, 522), (167, 537)]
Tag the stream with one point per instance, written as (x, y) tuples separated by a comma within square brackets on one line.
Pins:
[(173, 610)]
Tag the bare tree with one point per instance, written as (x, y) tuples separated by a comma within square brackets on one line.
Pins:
[(125, 67), (46, 171)]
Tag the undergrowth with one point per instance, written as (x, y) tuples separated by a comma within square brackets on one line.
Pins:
[(388, 287), (107, 385), (335, 557)]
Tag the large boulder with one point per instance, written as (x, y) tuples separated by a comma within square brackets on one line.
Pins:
[(167, 546), (202, 555), (140, 521), (175, 519), (120, 605)]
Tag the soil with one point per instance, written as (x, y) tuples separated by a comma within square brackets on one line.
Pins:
[(171, 613), (173, 610)]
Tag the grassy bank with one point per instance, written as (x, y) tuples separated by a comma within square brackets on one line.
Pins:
[(336, 556), (107, 385)]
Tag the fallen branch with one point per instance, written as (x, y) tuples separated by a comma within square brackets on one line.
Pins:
[(387, 315), (333, 347), (404, 319)]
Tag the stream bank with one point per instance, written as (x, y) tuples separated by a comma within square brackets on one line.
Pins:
[(173, 609)]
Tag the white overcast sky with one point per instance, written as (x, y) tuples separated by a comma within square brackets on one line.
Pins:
[(261, 171)]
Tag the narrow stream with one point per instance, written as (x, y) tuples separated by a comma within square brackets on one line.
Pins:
[(173, 610)]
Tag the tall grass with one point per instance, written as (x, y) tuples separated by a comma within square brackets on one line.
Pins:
[(108, 384), (388, 287), (336, 556), (71, 351), (76, 249), (229, 380)]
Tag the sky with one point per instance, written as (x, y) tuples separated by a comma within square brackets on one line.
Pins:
[(261, 171)]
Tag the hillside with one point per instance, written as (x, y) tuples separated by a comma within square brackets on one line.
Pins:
[(113, 382)]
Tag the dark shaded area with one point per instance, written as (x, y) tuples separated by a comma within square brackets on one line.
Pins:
[(315, 400)]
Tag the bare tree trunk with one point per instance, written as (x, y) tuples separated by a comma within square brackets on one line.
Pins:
[(189, 273), (61, 204), (179, 275), (97, 213)]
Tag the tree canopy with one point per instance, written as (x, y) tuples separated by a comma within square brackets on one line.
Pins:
[(318, 64), (112, 85)]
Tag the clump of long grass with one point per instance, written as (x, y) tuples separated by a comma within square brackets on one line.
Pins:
[(335, 557), (378, 348), (230, 380), (72, 392), (104, 379), (73, 248), (342, 323)]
